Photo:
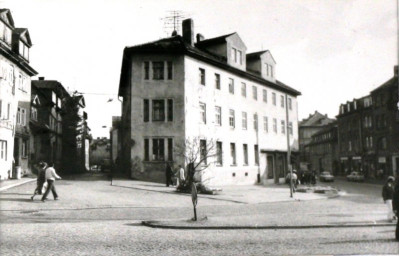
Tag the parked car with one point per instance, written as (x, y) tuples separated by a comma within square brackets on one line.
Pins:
[(355, 176), (326, 176)]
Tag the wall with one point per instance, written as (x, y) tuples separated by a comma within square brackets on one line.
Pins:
[(155, 89), (269, 141)]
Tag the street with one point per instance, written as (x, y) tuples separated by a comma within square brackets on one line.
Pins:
[(94, 218)]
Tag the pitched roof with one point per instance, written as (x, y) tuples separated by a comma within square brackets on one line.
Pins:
[(52, 85), (256, 54), (21, 32), (176, 45), (391, 82), (316, 119), (10, 20), (215, 40)]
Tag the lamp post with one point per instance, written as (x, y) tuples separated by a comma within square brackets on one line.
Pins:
[(288, 145)]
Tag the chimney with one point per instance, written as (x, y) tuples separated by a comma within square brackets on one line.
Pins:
[(200, 37), (395, 70), (188, 31), (41, 78)]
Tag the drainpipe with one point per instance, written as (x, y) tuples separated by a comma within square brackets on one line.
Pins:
[(288, 144), (257, 143)]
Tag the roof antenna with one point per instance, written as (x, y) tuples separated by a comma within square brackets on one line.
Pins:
[(172, 22)]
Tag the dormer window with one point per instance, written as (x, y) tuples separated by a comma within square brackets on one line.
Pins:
[(5, 33), (269, 70), (236, 55), (23, 50), (348, 106)]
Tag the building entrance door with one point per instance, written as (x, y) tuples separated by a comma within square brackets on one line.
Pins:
[(270, 168)]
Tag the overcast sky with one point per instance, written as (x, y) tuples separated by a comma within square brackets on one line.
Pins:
[(331, 51)]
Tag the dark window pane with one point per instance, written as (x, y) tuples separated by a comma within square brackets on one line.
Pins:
[(170, 149), (157, 70), (146, 70), (146, 113), (146, 150), (170, 70), (170, 110)]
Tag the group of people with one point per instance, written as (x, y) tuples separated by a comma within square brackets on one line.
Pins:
[(390, 195), (180, 175), (46, 177)]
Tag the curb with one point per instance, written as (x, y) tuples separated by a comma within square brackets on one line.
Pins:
[(16, 184), (156, 224)]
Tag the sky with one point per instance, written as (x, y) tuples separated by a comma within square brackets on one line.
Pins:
[(331, 51)]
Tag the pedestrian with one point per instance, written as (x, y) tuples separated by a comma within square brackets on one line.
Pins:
[(181, 177), (41, 178), (51, 176), (294, 179), (387, 196), (169, 174), (395, 205)]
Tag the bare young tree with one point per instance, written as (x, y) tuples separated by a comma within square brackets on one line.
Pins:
[(199, 154)]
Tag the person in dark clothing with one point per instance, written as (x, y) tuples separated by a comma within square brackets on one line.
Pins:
[(387, 196), (395, 206), (169, 174), (41, 178)]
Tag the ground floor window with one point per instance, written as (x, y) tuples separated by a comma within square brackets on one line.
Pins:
[(158, 150), (3, 150), (161, 148)]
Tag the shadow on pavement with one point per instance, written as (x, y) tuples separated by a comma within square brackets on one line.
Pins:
[(18, 194), (16, 199)]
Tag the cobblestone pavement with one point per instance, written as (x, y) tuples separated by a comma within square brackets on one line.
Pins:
[(93, 218)]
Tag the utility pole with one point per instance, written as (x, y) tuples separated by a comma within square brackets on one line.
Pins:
[(288, 144)]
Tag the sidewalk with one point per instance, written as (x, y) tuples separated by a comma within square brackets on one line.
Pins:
[(10, 183)]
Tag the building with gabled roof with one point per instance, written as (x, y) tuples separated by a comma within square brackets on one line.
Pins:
[(177, 90), (15, 97)]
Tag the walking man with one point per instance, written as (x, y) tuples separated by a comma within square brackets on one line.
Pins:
[(51, 176), (169, 174), (41, 179), (387, 196)]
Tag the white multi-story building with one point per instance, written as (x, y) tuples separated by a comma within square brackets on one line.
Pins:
[(174, 90), (15, 96)]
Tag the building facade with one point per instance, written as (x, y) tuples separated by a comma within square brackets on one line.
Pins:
[(307, 128), (177, 91), (46, 123), (368, 132), (323, 150), (15, 97), (386, 128)]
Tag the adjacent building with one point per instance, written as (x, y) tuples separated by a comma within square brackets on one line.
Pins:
[(47, 112), (15, 97), (323, 150), (115, 138), (100, 151), (307, 128), (177, 90), (368, 132)]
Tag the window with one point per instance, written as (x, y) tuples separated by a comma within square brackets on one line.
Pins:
[(3, 150), (275, 125), (169, 66), (170, 110), (290, 129), (383, 143), (202, 112), (234, 54), (158, 70), (245, 152), (244, 120), (350, 145), (243, 90), (146, 149), (282, 101), (24, 148), (256, 150), (146, 70), (282, 126), (233, 153), (217, 81), (158, 110), (231, 85), (264, 95), (146, 110), (231, 118), (203, 151), (289, 103), (33, 113), (254, 92), (371, 142), (239, 56), (202, 76), (158, 149), (1, 109), (8, 111), (219, 153), (274, 98), (265, 124), (19, 118), (256, 121), (218, 115)]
